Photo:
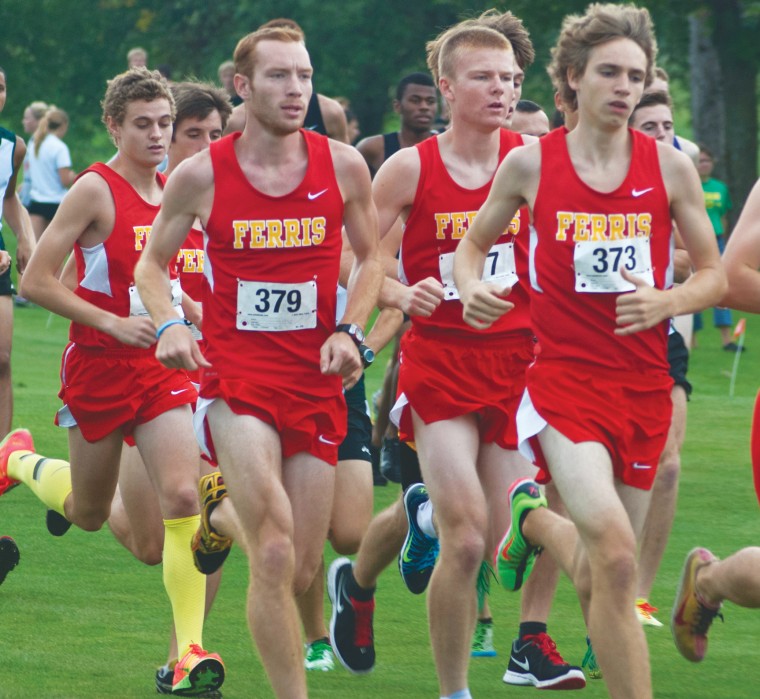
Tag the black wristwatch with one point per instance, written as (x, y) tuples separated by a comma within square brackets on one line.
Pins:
[(357, 335), (353, 331)]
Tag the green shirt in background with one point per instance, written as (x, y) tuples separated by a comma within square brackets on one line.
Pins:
[(717, 202)]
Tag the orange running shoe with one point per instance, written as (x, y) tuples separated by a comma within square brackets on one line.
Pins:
[(197, 673), (18, 440)]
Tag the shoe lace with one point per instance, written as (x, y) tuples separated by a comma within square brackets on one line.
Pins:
[(363, 613), (548, 648), (424, 551), (705, 617), (195, 649)]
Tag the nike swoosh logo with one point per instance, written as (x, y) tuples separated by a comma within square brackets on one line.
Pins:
[(638, 192), (176, 393), (339, 596), (525, 665), (326, 441), (314, 196), (680, 621), (641, 466)]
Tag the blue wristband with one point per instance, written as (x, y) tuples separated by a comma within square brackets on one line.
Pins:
[(167, 324)]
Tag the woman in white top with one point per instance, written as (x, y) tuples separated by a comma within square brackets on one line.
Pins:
[(50, 169), (30, 121)]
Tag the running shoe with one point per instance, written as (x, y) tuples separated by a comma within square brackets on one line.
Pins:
[(197, 672), (589, 662), (692, 616), (514, 556), (319, 655), (351, 623), (18, 440), (164, 677), (390, 459), (56, 523), (9, 556), (418, 555), (645, 613), (482, 640), (535, 661), (209, 547)]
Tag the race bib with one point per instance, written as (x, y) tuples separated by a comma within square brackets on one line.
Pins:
[(499, 269), (598, 265), (276, 306), (137, 308)]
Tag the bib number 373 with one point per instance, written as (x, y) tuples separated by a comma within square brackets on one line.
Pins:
[(598, 264), (276, 306)]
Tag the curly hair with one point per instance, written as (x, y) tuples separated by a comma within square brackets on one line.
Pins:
[(602, 23)]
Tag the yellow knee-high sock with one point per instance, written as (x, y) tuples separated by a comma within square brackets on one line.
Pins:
[(185, 586), (49, 479)]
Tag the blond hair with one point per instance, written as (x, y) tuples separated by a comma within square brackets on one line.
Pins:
[(444, 51), (52, 120)]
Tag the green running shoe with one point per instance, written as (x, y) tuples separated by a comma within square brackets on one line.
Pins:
[(514, 556), (482, 640), (319, 656), (590, 664)]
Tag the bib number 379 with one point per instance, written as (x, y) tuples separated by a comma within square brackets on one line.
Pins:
[(276, 306)]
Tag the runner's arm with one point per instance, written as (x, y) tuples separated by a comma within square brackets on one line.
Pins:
[(86, 214), (742, 258), (184, 196)]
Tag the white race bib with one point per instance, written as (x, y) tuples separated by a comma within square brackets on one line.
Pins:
[(499, 269), (598, 264), (276, 306), (137, 308)]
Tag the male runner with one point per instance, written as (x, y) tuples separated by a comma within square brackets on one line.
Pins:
[(707, 581), (202, 111), (653, 115), (416, 104), (112, 384), (602, 199), (323, 114), (272, 201), (458, 401)]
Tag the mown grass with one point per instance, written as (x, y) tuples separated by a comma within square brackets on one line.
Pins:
[(80, 618)]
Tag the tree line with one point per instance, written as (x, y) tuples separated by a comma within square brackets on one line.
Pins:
[(63, 52)]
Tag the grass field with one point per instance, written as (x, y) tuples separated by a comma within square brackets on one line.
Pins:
[(81, 618)]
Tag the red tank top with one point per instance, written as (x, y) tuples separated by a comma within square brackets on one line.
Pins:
[(439, 217), (190, 262), (272, 268), (583, 238), (105, 272)]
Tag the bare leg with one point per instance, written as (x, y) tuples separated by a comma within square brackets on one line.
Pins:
[(352, 512), (736, 578), (662, 508), (538, 591), (380, 545), (584, 479), (6, 385), (266, 493)]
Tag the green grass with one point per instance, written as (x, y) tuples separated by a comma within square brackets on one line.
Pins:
[(81, 618)]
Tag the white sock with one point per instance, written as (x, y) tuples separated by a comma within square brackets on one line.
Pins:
[(425, 519)]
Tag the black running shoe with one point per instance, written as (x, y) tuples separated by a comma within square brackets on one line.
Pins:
[(9, 556), (535, 660), (416, 560), (351, 622), (56, 523)]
